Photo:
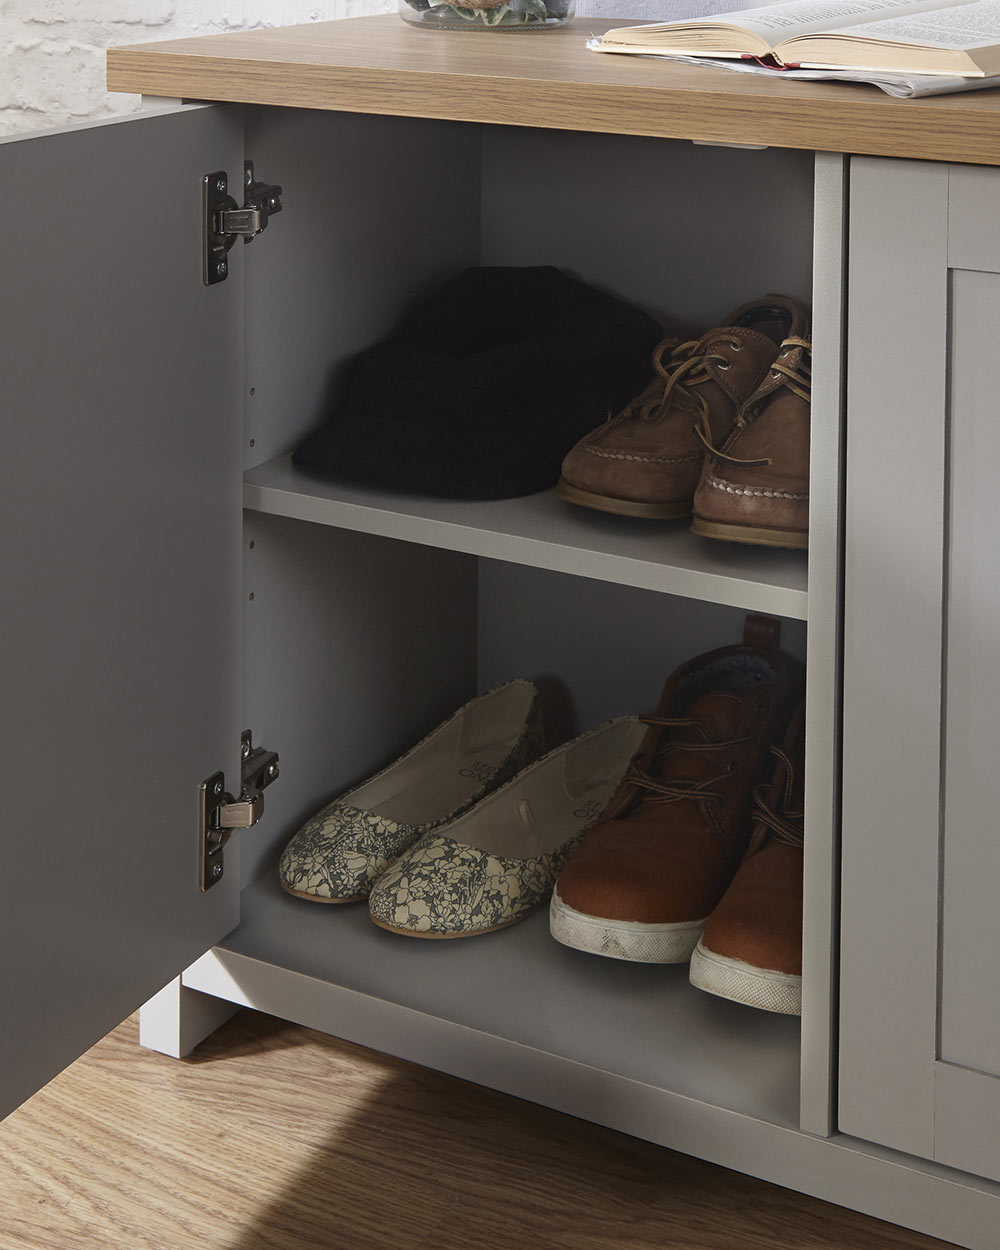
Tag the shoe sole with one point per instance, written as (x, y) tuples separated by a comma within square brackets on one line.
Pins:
[(632, 940), (446, 937), (671, 511), (757, 535), (315, 898), (746, 983)]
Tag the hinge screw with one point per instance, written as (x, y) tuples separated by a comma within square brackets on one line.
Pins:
[(217, 787), (245, 749), (221, 267), (220, 185), (272, 770), (216, 870), (248, 176)]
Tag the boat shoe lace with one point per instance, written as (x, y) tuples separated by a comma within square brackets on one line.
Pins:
[(660, 791), (784, 821), (680, 366), (797, 378)]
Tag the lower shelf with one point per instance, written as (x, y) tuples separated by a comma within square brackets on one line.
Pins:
[(644, 1023), (635, 1048)]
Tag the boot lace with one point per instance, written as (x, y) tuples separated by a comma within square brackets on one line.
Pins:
[(785, 824), (671, 791), (680, 366), (799, 382)]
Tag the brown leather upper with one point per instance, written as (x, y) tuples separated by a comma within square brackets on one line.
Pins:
[(676, 830), (649, 453), (770, 488), (759, 919)]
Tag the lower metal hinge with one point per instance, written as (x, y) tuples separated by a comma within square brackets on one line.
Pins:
[(220, 813), (223, 221)]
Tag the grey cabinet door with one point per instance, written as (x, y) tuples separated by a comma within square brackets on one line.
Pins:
[(920, 989), (120, 474)]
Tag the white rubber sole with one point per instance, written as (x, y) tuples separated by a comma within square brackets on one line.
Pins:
[(745, 983), (623, 939)]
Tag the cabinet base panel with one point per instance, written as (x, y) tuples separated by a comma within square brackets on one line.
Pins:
[(176, 1019)]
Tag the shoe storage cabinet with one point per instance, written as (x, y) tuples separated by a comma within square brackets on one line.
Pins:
[(149, 626)]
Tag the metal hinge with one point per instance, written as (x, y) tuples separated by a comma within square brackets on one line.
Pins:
[(223, 221), (220, 813)]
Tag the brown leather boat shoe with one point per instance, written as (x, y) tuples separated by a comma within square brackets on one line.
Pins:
[(646, 461), (754, 486)]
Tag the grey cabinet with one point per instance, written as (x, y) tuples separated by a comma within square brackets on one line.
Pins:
[(920, 990), (148, 623), (119, 495)]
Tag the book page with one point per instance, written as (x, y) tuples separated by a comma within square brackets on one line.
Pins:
[(901, 85), (777, 22), (973, 25)]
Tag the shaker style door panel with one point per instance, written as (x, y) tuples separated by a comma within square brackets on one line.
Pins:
[(120, 485), (967, 1100), (920, 990)]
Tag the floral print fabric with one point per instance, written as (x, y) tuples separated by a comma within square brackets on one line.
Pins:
[(447, 888), (341, 851)]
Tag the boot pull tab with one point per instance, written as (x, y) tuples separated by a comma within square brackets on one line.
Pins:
[(762, 632)]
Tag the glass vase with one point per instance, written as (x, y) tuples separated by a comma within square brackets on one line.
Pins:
[(502, 15)]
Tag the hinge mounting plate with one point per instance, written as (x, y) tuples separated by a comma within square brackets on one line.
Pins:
[(219, 813), (223, 221)]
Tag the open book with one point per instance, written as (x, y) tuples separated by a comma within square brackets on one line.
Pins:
[(954, 37)]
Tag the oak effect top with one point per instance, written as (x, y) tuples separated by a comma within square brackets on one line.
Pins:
[(549, 79)]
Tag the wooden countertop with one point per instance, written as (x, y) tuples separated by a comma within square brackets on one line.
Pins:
[(549, 79)]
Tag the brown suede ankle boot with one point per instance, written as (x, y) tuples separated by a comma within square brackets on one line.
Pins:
[(644, 881), (646, 461), (751, 950), (754, 486)]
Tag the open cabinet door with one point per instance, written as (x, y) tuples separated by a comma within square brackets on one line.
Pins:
[(120, 480)]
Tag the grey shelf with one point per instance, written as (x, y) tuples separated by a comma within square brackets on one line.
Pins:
[(545, 532), (467, 1006)]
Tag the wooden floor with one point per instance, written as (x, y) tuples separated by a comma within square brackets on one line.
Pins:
[(272, 1137)]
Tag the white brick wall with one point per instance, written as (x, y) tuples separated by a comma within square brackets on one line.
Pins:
[(52, 51)]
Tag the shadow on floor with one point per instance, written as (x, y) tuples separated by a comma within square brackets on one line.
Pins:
[(249, 1033), (409, 1159)]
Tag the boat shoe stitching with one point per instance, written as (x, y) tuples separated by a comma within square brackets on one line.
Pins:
[(755, 491), (651, 459)]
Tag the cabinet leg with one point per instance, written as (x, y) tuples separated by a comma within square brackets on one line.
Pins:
[(177, 1019)]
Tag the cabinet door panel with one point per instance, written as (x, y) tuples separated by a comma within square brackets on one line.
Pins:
[(892, 649), (970, 937), (920, 1004), (120, 515)]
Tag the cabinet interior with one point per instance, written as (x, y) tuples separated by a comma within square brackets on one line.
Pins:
[(373, 617)]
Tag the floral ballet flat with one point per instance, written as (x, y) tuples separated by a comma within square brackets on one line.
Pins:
[(497, 863), (342, 850)]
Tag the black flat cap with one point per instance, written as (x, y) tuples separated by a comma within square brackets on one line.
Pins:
[(486, 387)]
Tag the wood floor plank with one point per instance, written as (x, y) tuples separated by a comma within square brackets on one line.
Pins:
[(273, 1137)]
